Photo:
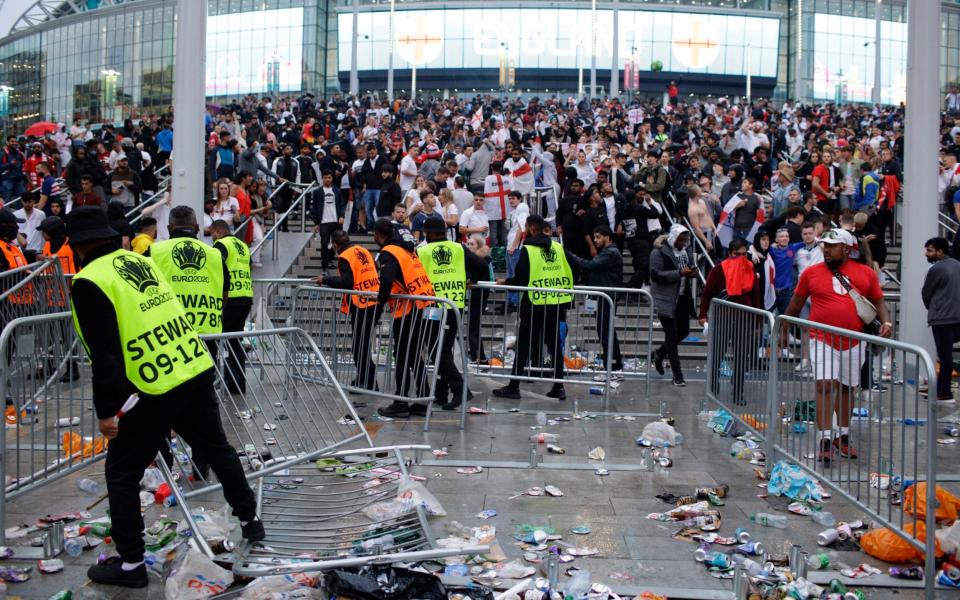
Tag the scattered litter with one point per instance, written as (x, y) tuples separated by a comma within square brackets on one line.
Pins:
[(515, 570), (581, 530), (789, 480), (602, 472), (269, 426), (68, 421), (346, 421), (15, 574), (554, 449), (800, 508), (597, 453), (584, 551), (544, 438), (861, 571), (440, 452), (658, 433), (553, 490), (52, 565), (470, 470), (6, 552), (534, 491), (245, 415), (476, 410), (947, 441), (487, 514)]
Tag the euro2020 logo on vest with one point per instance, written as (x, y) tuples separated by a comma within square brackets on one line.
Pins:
[(361, 257), (137, 272), (189, 255), (549, 254), (240, 247), (442, 256)]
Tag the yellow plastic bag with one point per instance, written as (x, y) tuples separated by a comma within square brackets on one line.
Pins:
[(948, 505), (890, 547)]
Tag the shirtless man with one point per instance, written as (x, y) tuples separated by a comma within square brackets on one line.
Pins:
[(701, 221)]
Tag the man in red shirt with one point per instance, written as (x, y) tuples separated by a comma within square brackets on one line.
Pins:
[(823, 186), (837, 359)]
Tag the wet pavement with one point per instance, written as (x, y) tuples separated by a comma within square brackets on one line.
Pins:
[(635, 553)]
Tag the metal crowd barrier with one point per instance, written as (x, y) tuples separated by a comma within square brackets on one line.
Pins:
[(570, 331), (890, 424), (375, 354), (35, 289), (317, 474), (51, 430), (738, 369)]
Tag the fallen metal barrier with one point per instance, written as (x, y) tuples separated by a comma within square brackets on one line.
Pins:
[(51, 430), (375, 354), (319, 479)]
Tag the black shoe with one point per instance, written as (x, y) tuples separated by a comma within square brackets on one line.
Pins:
[(397, 410), (557, 392), (253, 531), (418, 410), (110, 572), (678, 381), (657, 362), (507, 392), (452, 405)]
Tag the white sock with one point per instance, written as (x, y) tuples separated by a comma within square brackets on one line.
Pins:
[(844, 431), (826, 434), (130, 566)]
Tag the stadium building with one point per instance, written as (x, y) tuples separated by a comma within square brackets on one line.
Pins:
[(107, 59)]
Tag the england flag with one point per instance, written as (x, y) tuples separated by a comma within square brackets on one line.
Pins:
[(728, 216)]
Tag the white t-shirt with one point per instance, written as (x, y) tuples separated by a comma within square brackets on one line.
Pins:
[(518, 222), (474, 218), (446, 212), (329, 214), (610, 202), (407, 164), (226, 211), (29, 228), (807, 257), (463, 198), (586, 173)]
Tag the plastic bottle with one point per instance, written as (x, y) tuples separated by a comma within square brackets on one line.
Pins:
[(823, 561), (73, 546), (544, 438), (89, 486), (384, 541), (736, 448), (541, 418), (748, 564), (768, 520), (697, 522), (824, 518)]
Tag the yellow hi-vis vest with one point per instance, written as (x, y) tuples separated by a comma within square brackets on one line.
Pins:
[(195, 272), (238, 264), (549, 269), (447, 269), (161, 350)]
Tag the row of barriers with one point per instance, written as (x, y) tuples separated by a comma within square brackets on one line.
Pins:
[(832, 402)]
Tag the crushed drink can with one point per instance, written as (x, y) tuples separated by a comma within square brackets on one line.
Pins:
[(701, 552), (952, 430), (751, 548), (742, 535), (827, 537), (906, 572), (51, 565)]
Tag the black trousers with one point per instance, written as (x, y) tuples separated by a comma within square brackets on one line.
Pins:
[(640, 257), (326, 252), (603, 324), (742, 338), (449, 378), (478, 302), (412, 338), (363, 322), (944, 336), (539, 327), (192, 411), (235, 313), (675, 329)]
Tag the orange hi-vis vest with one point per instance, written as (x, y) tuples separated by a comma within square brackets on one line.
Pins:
[(67, 262), (15, 260), (415, 281), (365, 277), (56, 293)]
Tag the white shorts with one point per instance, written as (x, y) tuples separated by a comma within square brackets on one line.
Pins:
[(836, 365)]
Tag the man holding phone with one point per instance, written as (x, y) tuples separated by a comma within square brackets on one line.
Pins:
[(671, 269)]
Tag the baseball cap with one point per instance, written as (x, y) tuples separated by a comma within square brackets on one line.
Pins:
[(53, 225), (837, 236)]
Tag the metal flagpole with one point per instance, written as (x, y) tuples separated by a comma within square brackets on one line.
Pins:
[(189, 104), (876, 54), (354, 77), (390, 56), (593, 49), (615, 62)]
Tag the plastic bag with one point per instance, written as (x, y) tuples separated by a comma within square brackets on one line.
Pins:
[(194, 576), (791, 481), (947, 503), (283, 587), (75, 446), (152, 478), (658, 431), (384, 583), (949, 538), (410, 495), (888, 546), (214, 524)]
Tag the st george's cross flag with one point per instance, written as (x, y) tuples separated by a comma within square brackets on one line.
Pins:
[(728, 216)]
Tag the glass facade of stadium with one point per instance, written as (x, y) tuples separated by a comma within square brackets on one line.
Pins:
[(115, 59)]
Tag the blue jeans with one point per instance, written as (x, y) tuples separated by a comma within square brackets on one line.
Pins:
[(784, 295), (370, 199), (513, 258), (13, 189)]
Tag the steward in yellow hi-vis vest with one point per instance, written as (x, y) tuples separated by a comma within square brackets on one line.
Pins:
[(449, 265), (150, 374), (236, 257), (357, 272), (542, 265)]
